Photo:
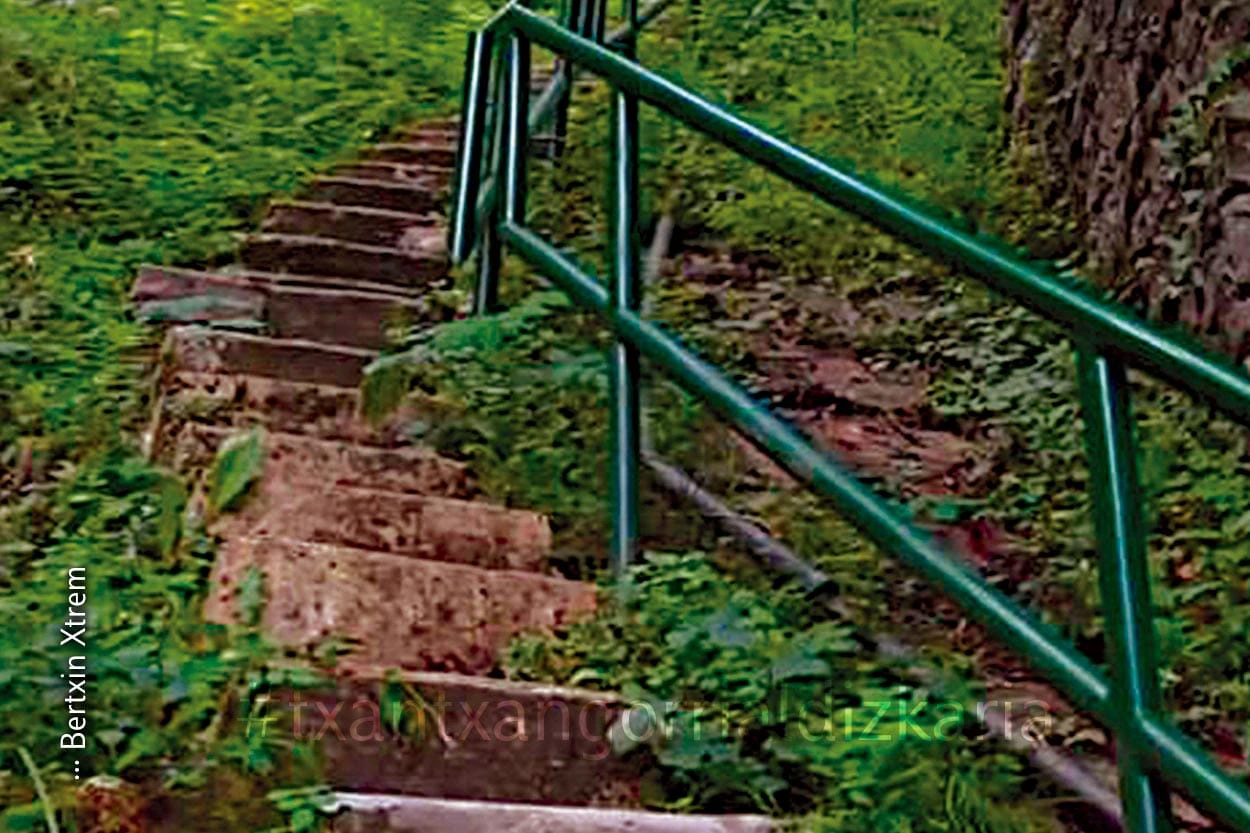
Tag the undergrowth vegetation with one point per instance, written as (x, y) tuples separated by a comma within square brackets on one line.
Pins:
[(131, 132), (752, 702)]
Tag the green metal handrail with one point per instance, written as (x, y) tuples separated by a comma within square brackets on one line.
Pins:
[(1153, 754)]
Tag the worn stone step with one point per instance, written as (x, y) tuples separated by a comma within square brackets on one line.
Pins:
[(372, 813), (414, 234), (457, 736), (169, 282), (422, 526), (342, 316), (237, 401), (394, 610), (437, 179), (295, 458), (414, 153), (338, 258), (443, 123), (412, 199), (203, 302), (422, 134), (349, 317), (205, 350)]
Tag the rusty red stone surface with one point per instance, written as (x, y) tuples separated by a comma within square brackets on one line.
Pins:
[(109, 805), (457, 736), (293, 458), (413, 199), (430, 527), (357, 224), (241, 401), (204, 350), (411, 153), (393, 610), (337, 258)]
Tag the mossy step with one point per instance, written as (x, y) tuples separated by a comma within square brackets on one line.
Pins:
[(295, 458), (437, 178), (165, 282), (461, 737), (237, 401)]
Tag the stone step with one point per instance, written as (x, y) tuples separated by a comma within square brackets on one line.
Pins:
[(329, 316), (445, 124), (413, 153), (412, 199), (238, 401), (437, 179), (338, 258), (415, 234), (168, 282), (205, 350), (374, 813), (430, 527), (395, 611), (423, 134), (342, 316), (295, 458), (225, 301), (457, 736)]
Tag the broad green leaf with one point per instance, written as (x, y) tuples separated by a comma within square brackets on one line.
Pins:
[(240, 462)]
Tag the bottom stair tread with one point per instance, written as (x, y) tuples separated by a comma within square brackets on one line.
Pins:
[(456, 736), (401, 814)]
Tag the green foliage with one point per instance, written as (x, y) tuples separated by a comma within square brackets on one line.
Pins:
[(240, 462), (166, 692), (999, 368), (905, 92), (520, 396), (152, 131), (753, 703)]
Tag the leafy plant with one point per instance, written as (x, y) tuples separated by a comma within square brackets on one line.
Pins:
[(153, 131), (239, 464), (753, 703)]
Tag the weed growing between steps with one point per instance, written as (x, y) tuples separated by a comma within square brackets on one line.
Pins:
[(150, 132), (751, 703)]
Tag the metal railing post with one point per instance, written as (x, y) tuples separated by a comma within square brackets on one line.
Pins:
[(601, 19), (472, 135), (564, 76), (516, 129), (626, 295), (1124, 577), (489, 249)]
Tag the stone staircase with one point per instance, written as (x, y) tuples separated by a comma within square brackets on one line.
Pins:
[(366, 539)]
